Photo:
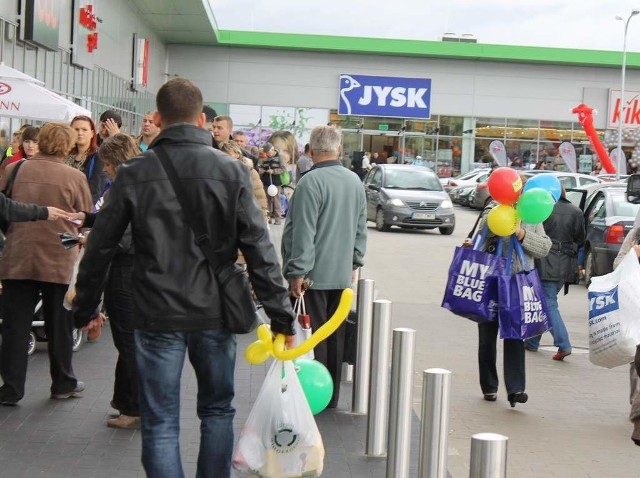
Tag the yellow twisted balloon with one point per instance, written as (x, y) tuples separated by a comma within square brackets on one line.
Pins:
[(260, 350)]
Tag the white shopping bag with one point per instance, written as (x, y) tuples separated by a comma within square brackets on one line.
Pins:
[(614, 314), (280, 439), (302, 326)]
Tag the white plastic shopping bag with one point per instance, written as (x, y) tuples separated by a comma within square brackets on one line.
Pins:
[(280, 439), (302, 326), (614, 314)]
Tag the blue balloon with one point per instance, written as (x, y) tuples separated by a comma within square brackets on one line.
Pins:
[(548, 182)]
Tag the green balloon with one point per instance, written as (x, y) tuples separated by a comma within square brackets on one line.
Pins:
[(535, 205), (316, 382)]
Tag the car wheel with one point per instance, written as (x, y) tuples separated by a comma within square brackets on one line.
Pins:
[(31, 344), (588, 268), (77, 339), (446, 231), (380, 224)]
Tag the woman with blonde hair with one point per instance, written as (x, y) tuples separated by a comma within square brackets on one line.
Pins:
[(118, 294), (34, 264), (233, 150)]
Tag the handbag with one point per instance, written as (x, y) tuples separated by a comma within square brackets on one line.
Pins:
[(238, 309), (471, 290), (522, 309), (614, 314), (280, 438), (4, 223)]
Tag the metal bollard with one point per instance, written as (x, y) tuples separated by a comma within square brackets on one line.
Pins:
[(434, 436), (363, 357), (488, 456), (399, 438), (379, 389)]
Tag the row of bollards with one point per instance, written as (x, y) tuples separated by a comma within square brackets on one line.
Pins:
[(386, 396)]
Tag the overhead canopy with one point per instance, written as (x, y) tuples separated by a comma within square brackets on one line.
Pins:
[(22, 96)]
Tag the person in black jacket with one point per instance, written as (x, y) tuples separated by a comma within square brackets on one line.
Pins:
[(566, 229), (176, 294)]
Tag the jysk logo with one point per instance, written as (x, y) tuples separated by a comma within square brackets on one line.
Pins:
[(603, 302), (4, 88), (385, 96)]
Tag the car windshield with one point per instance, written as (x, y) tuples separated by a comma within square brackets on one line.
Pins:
[(411, 179)]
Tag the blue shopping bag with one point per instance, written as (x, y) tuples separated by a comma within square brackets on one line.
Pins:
[(522, 310), (471, 290)]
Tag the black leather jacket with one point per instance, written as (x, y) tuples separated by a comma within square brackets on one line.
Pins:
[(174, 286)]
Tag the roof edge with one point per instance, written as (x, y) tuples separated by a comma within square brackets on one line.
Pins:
[(428, 49)]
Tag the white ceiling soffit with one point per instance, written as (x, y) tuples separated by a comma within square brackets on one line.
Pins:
[(178, 21)]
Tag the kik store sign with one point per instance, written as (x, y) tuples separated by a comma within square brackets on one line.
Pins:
[(631, 115), (41, 21), (389, 96)]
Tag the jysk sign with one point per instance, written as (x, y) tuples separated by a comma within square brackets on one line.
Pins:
[(631, 109), (41, 21), (389, 96)]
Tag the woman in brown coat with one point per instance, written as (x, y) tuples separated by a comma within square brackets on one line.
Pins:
[(35, 264)]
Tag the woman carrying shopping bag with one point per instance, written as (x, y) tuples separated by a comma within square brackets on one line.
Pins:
[(536, 244)]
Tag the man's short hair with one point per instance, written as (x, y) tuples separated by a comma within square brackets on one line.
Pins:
[(239, 133), (325, 139), (210, 113), (110, 114), (224, 118), (179, 101)]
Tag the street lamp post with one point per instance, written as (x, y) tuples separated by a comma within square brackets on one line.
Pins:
[(620, 154)]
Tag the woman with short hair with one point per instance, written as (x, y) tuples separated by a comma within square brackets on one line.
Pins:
[(34, 264)]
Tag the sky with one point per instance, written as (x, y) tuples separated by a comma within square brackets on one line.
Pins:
[(587, 24)]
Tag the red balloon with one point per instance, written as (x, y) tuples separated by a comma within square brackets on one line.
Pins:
[(505, 185)]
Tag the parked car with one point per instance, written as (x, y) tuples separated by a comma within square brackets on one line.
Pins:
[(407, 196), (567, 179), (460, 195), (608, 219), (470, 178)]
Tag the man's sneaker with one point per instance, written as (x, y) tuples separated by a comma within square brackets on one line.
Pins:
[(561, 354), (72, 394)]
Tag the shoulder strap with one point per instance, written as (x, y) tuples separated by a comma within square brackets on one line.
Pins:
[(202, 237), (12, 178)]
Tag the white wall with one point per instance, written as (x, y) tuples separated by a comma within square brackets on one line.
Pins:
[(460, 87)]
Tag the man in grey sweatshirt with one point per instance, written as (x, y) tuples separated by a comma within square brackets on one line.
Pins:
[(324, 240)]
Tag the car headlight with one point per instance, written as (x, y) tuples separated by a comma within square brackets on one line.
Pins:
[(395, 202), (446, 204)]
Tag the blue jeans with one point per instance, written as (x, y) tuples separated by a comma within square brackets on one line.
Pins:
[(558, 329), (160, 358)]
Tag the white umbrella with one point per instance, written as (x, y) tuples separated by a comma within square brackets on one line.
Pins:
[(22, 96)]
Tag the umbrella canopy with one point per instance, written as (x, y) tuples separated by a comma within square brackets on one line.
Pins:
[(22, 96)]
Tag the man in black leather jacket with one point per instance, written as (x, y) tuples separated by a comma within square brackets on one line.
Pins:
[(177, 303)]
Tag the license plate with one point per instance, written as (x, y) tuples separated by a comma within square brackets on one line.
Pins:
[(423, 215)]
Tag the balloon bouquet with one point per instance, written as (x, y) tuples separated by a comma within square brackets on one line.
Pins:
[(532, 204)]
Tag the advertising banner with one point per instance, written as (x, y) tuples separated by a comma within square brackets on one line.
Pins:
[(631, 117), (388, 96)]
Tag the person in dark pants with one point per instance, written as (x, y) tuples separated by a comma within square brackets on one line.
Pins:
[(536, 244), (118, 295), (324, 241), (34, 262)]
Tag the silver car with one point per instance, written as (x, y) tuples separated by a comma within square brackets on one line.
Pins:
[(410, 197)]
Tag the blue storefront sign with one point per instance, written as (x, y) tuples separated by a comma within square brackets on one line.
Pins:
[(389, 96)]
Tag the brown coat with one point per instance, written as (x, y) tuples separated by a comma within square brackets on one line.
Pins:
[(32, 250)]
